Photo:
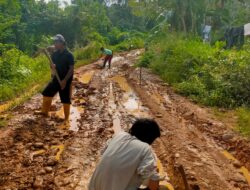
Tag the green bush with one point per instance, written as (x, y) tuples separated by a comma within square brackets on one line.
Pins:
[(146, 59), (116, 36), (125, 41), (88, 53), (210, 75), (18, 72), (129, 44)]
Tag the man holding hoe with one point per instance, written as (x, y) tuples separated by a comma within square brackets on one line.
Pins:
[(63, 68)]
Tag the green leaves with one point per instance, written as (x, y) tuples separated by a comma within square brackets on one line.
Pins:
[(18, 71), (210, 75)]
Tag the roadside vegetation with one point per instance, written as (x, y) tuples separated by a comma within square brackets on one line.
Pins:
[(209, 75), (243, 114)]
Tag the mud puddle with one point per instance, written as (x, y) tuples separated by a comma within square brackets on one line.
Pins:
[(75, 116), (130, 101), (86, 77)]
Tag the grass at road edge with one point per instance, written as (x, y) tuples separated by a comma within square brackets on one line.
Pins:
[(243, 123), (238, 119)]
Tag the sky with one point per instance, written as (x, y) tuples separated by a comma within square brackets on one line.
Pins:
[(69, 2), (61, 1)]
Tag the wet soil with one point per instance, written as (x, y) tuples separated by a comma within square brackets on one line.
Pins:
[(195, 150)]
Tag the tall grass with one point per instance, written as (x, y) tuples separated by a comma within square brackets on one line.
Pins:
[(87, 54), (19, 72)]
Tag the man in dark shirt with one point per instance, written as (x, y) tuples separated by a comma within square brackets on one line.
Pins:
[(64, 66)]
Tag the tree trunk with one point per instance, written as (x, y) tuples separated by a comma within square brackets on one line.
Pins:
[(184, 24)]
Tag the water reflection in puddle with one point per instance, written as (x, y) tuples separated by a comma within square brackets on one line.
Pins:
[(122, 82), (86, 77), (75, 116), (130, 100), (132, 104)]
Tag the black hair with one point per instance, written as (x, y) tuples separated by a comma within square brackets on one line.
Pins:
[(146, 130)]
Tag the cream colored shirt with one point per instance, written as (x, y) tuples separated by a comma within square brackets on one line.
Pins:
[(247, 29), (125, 164)]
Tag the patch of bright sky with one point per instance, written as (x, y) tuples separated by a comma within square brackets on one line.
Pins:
[(61, 2), (108, 2)]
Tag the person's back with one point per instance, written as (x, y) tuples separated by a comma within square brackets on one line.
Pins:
[(108, 57), (125, 164), (107, 52)]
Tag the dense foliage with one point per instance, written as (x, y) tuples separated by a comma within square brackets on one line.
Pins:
[(19, 72), (210, 75)]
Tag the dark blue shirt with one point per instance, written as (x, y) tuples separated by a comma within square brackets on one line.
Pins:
[(63, 61)]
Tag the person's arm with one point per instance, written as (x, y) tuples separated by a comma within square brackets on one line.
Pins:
[(52, 64), (102, 54), (117, 125), (147, 170), (70, 72)]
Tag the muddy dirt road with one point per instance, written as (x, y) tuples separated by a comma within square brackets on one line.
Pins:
[(196, 150)]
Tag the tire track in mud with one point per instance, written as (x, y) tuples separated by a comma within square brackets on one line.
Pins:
[(38, 153)]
